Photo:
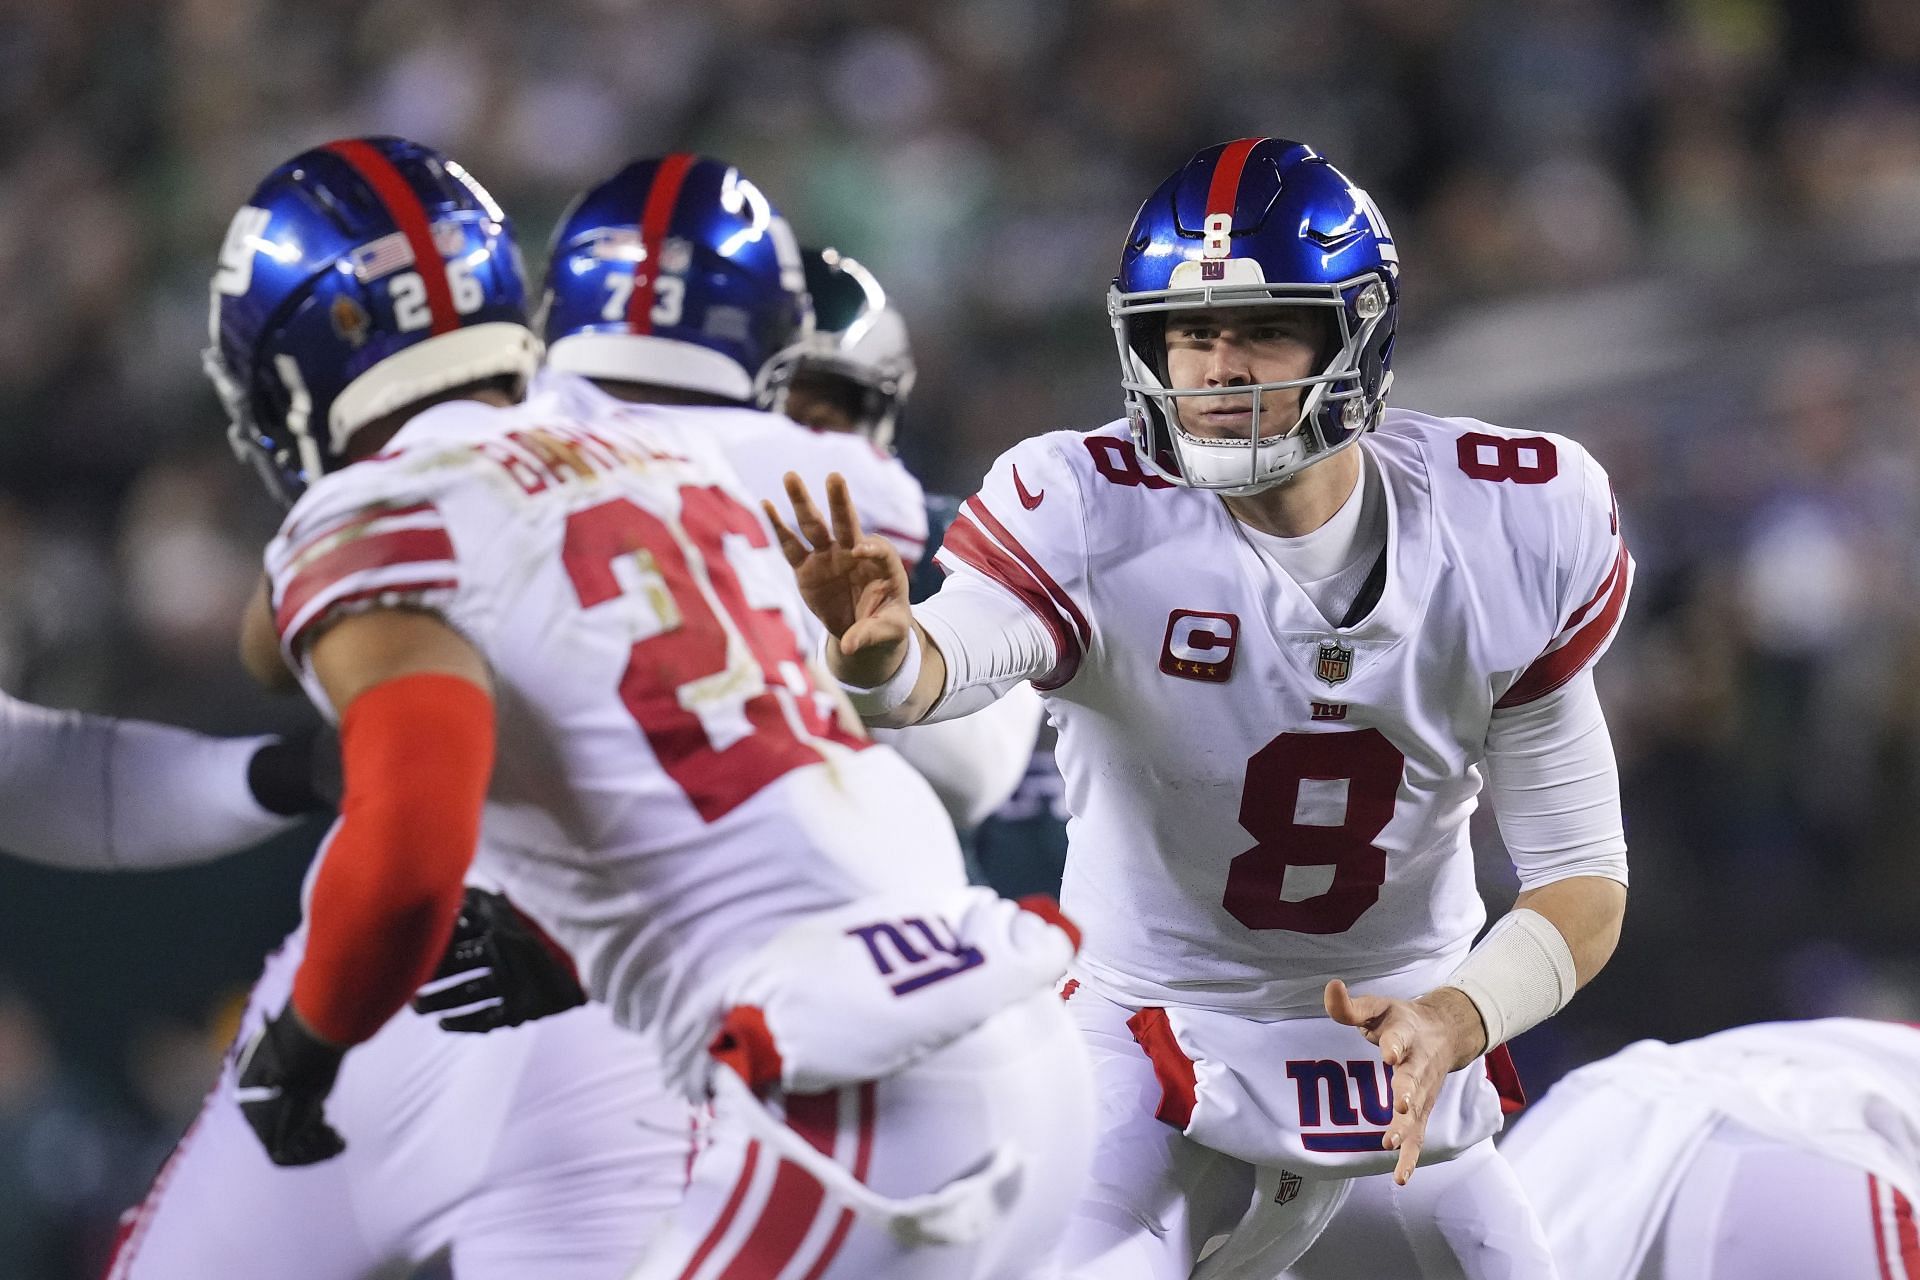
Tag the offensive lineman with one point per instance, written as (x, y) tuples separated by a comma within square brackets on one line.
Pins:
[(1776, 1151), (1278, 626), (671, 798)]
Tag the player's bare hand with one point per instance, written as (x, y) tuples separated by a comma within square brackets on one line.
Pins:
[(854, 582), (1422, 1040)]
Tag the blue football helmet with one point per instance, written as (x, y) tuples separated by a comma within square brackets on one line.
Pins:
[(858, 345), (360, 277), (677, 272), (1261, 222)]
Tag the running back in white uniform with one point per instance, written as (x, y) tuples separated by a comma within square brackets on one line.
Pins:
[(659, 731), (675, 800)]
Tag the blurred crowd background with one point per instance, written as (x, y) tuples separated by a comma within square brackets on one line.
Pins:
[(1686, 232)]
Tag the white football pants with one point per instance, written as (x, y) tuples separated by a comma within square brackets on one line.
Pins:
[(1019, 1079), (550, 1149), (1157, 1198)]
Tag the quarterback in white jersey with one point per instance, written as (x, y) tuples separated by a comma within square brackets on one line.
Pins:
[(1280, 657), (753, 885)]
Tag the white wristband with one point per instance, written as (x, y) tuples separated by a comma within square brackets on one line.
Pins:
[(873, 703), (1520, 975)]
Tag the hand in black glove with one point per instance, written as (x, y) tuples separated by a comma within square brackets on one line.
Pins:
[(285, 1075), (298, 773), (500, 970)]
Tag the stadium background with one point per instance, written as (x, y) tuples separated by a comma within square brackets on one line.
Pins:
[(1686, 232)]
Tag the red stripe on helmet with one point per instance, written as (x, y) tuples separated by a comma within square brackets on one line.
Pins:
[(654, 219), (1224, 192), (410, 215)]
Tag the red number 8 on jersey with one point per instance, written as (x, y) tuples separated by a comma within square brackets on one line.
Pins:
[(1521, 459), (1360, 763)]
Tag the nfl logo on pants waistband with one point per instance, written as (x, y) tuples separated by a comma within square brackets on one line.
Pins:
[(1335, 662), (1199, 646)]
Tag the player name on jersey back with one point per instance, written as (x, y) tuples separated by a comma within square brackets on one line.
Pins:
[(672, 786)]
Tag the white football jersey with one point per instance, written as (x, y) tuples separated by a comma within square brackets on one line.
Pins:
[(763, 447), (1263, 800), (671, 787), (1604, 1155)]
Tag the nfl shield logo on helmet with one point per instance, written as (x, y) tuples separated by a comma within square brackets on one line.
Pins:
[(1200, 646), (1335, 662)]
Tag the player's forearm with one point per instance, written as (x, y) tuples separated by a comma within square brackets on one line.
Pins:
[(1534, 958), (1588, 911), (418, 753), (93, 793)]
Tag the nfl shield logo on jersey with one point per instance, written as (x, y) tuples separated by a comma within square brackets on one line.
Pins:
[(1335, 662), (1200, 646)]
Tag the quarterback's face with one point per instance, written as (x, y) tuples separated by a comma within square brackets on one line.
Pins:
[(1234, 347)]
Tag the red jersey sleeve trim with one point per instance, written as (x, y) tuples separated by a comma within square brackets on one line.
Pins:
[(988, 521), (966, 543), (428, 552), (1585, 634)]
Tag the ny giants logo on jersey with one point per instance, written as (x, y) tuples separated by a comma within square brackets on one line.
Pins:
[(1200, 645), (912, 953), (1339, 1096)]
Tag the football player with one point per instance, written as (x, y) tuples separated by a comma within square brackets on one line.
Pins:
[(851, 377), (554, 628), (1283, 631), (1767, 1152), (546, 1149), (700, 339)]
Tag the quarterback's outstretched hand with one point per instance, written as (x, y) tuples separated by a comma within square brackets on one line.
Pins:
[(854, 582), (1422, 1040)]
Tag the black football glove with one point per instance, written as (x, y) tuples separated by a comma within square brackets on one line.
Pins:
[(285, 1074), (500, 970), (298, 773)]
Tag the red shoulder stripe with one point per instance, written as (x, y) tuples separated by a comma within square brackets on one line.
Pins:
[(1606, 589), (992, 525), (374, 551), (966, 543), (404, 207), (1557, 666), (363, 516)]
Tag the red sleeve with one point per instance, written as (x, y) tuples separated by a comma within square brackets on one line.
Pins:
[(418, 754)]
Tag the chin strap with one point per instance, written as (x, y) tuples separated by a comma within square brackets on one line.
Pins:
[(961, 1212)]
